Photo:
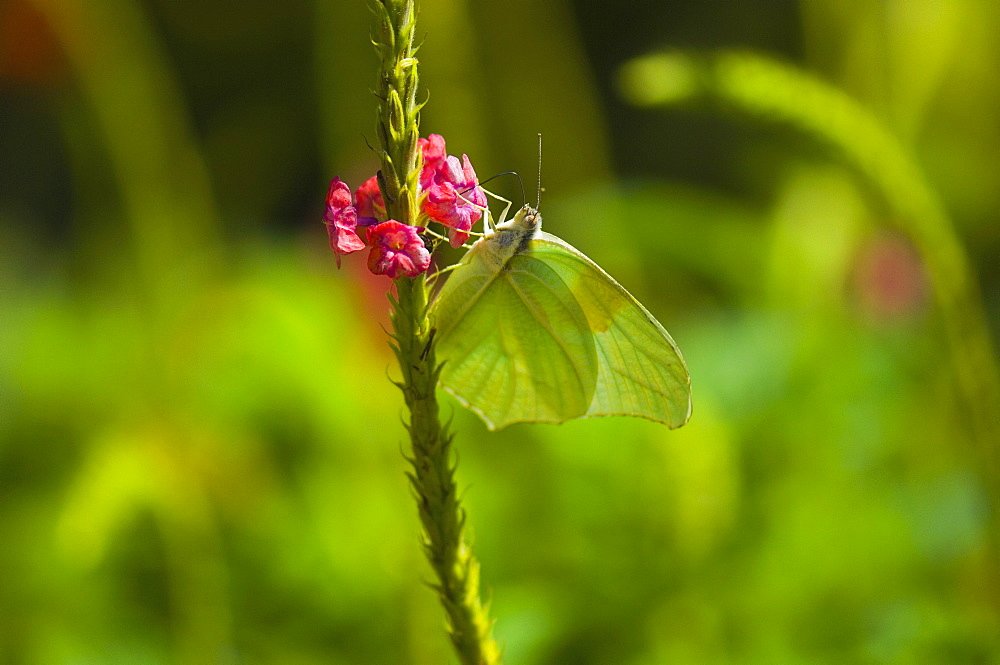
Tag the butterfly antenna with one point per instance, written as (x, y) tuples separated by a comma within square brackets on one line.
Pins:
[(513, 173), (494, 177), (539, 199)]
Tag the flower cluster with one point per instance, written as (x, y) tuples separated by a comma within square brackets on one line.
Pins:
[(449, 195)]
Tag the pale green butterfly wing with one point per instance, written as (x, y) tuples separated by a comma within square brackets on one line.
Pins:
[(640, 369), (516, 344), (546, 335)]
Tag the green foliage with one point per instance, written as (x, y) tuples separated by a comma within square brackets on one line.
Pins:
[(200, 451)]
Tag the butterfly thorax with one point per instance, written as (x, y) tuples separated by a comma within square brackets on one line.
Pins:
[(509, 238)]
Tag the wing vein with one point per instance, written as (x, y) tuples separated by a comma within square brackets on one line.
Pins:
[(545, 324)]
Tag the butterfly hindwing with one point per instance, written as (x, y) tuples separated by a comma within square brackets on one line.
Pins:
[(640, 369), (516, 344)]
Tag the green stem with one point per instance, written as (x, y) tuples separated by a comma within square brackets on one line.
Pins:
[(433, 474)]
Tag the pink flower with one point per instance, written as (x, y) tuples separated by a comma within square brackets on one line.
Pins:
[(397, 250), (434, 153), (454, 198), (371, 207), (341, 219)]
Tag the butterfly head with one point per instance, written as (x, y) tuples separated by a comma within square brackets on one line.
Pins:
[(509, 238), (527, 221)]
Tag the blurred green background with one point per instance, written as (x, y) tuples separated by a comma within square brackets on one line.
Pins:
[(199, 445)]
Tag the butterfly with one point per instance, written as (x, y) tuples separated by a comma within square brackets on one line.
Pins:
[(531, 330)]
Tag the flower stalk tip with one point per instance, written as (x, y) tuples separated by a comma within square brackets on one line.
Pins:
[(447, 191)]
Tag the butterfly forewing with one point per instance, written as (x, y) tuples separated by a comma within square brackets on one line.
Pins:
[(640, 369), (516, 344)]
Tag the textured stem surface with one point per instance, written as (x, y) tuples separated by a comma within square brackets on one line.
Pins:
[(433, 474)]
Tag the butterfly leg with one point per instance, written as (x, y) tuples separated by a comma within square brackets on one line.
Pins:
[(506, 209), (488, 225)]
